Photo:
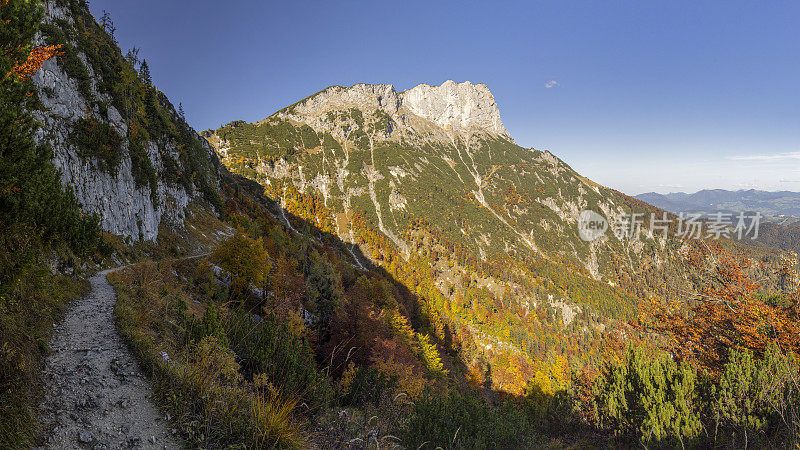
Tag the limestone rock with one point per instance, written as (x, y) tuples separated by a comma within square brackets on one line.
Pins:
[(461, 106), (438, 111), (123, 207)]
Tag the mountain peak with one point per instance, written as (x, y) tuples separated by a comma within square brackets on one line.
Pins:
[(460, 107), (457, 105)]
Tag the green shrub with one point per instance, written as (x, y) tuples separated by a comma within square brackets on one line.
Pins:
[(462, 420), (649, 397), (265, 346), (548, 413), (97, 139), (210, 324), (369, 385), (324, 291), (142, 168), (758, 398)]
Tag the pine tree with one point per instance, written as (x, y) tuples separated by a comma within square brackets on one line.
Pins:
[(324, 291), (105, 20), (133, 57), (181, 114), (144, 73), (108, 25), (649, 396)]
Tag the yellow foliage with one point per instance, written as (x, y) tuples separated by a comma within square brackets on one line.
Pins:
[(347, 377), (420, 343), (430, 355), (401, 327), (553, 376), (245, 259), (407, 382)]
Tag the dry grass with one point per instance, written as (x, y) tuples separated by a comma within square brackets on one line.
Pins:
[(31, 301), (198, 384)]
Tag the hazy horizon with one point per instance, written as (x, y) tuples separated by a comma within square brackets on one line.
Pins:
[(713, 189)]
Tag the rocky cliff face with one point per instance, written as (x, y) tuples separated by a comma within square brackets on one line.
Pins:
[(437, 111), (125, 207), (461, 106)]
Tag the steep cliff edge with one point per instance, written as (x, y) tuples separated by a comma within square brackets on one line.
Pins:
[(119, 143), (461, 106), (422, 112)]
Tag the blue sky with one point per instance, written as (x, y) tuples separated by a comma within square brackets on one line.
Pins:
[(637, 95)]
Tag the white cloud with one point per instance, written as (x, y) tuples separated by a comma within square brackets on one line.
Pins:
[(551, 84), (774, 156)]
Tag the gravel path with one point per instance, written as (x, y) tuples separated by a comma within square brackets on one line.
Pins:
[(96, 396)]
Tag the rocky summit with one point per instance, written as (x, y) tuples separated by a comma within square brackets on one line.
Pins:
[(455, 108), (461, 106)]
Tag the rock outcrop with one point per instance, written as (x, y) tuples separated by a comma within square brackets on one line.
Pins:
[(460, 108), (360, 96), (124, 207)]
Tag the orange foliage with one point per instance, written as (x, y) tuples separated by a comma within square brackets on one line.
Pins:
[(724, 313), (38, 55), (475, 374), (396, 360)]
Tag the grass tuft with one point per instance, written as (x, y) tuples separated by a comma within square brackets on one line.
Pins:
[(199, 381)]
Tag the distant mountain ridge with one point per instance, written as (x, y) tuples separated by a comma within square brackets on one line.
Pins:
[(780, 206)]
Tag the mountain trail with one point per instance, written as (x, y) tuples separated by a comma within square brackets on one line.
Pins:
[(96, 395)]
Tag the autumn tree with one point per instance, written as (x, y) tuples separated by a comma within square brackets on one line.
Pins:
[(247, 262), (724, 312), (286, 292)]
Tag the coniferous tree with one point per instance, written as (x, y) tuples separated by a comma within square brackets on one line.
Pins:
[(323, 293), (133, 57), (144, 72), (108, 25), (105, 20)]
